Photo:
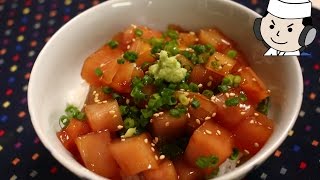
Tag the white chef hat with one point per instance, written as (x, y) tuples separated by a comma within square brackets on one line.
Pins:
[(290, 9)]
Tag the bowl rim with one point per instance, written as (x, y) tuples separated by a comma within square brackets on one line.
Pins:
[(84, 172)]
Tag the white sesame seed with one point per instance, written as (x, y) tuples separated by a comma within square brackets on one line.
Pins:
[(152, 149), (112, 112), (208, 132), (239, 70), (254, 79), (146, 140), (251, 122), (227, 94), (103, 64), (127, 101), (152, 144), (104, 102), (156, 139), (94, 92), (200, 85), (256, 144), (99, 102), (151, 120), (167, 124), (207, 118), (243, 113), (156, 157), (197, 39), (123, 139), (213, 114), (224, 106), (260, 123), (269, 91), (162, 156), (188, 114), (156, 115), (128, 47), (229, 64), (218, 132), (211, 78), (149, 166), (120, 127), (114, 116), (256, 114), (192, 33), (232, 94), (160, 113), (198, 121), (209, 83), (133, 40), (246, 151)]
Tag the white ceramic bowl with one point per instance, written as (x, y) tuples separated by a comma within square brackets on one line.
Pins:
[(57, 68)]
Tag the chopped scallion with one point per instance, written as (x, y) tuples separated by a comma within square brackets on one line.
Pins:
[(98, 72)]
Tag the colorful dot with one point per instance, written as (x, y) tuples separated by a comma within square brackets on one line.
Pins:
[(13, 68), (296, 148), (13, 177), (20, 38), (308, 128), (283, 171), (2, 132), (25, 88), (277, 153), (33, 173), (312, 96), (11, 80), (33, 43), (318, 110), (302, 113), (53, 13), (6, 104), (27, 76), (35, 156), (38, 17), (36, 140), (26, 11), (10, 22), (19, 129), (17, 145), (21, 114), (53, 170), (9, 92), (303, 165), (31, 53), (67, 2), (290, 133), (15, 161), (1, 148), (315, 143), (263, 176), (3, 118)]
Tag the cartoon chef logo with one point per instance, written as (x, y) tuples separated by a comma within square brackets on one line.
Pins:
[(286, 28)]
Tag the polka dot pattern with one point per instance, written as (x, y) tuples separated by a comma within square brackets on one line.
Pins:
[(27, 25)]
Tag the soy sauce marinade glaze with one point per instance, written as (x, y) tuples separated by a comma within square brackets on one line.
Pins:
[(171, 105)]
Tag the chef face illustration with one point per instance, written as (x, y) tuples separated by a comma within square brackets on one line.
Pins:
[(286, 28)]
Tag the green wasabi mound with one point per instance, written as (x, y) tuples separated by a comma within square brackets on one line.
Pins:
[(168, 69)]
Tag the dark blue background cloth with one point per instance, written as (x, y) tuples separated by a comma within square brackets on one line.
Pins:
[(25, 27)]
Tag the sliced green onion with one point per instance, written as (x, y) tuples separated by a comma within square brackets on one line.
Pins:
[(228, 80), (145, 66), (107, 90), (195, 103), (116, 96), (130, 56), (64, 120), (173, 34), (138, 32), (98, 72), (235, 154), (199, 48), (130, 132), (113, 44), (183, 99), (146, 113), (193, 87), (236, 80), (232, 53), (80, 116), (207, 161), (184, 86), (172, 48), (147, 80), (223, 88), (263, 106), (243, 97), (207, 93), (129, 123), (124, 110), (174, 113), (232, 101), (121, 61)]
